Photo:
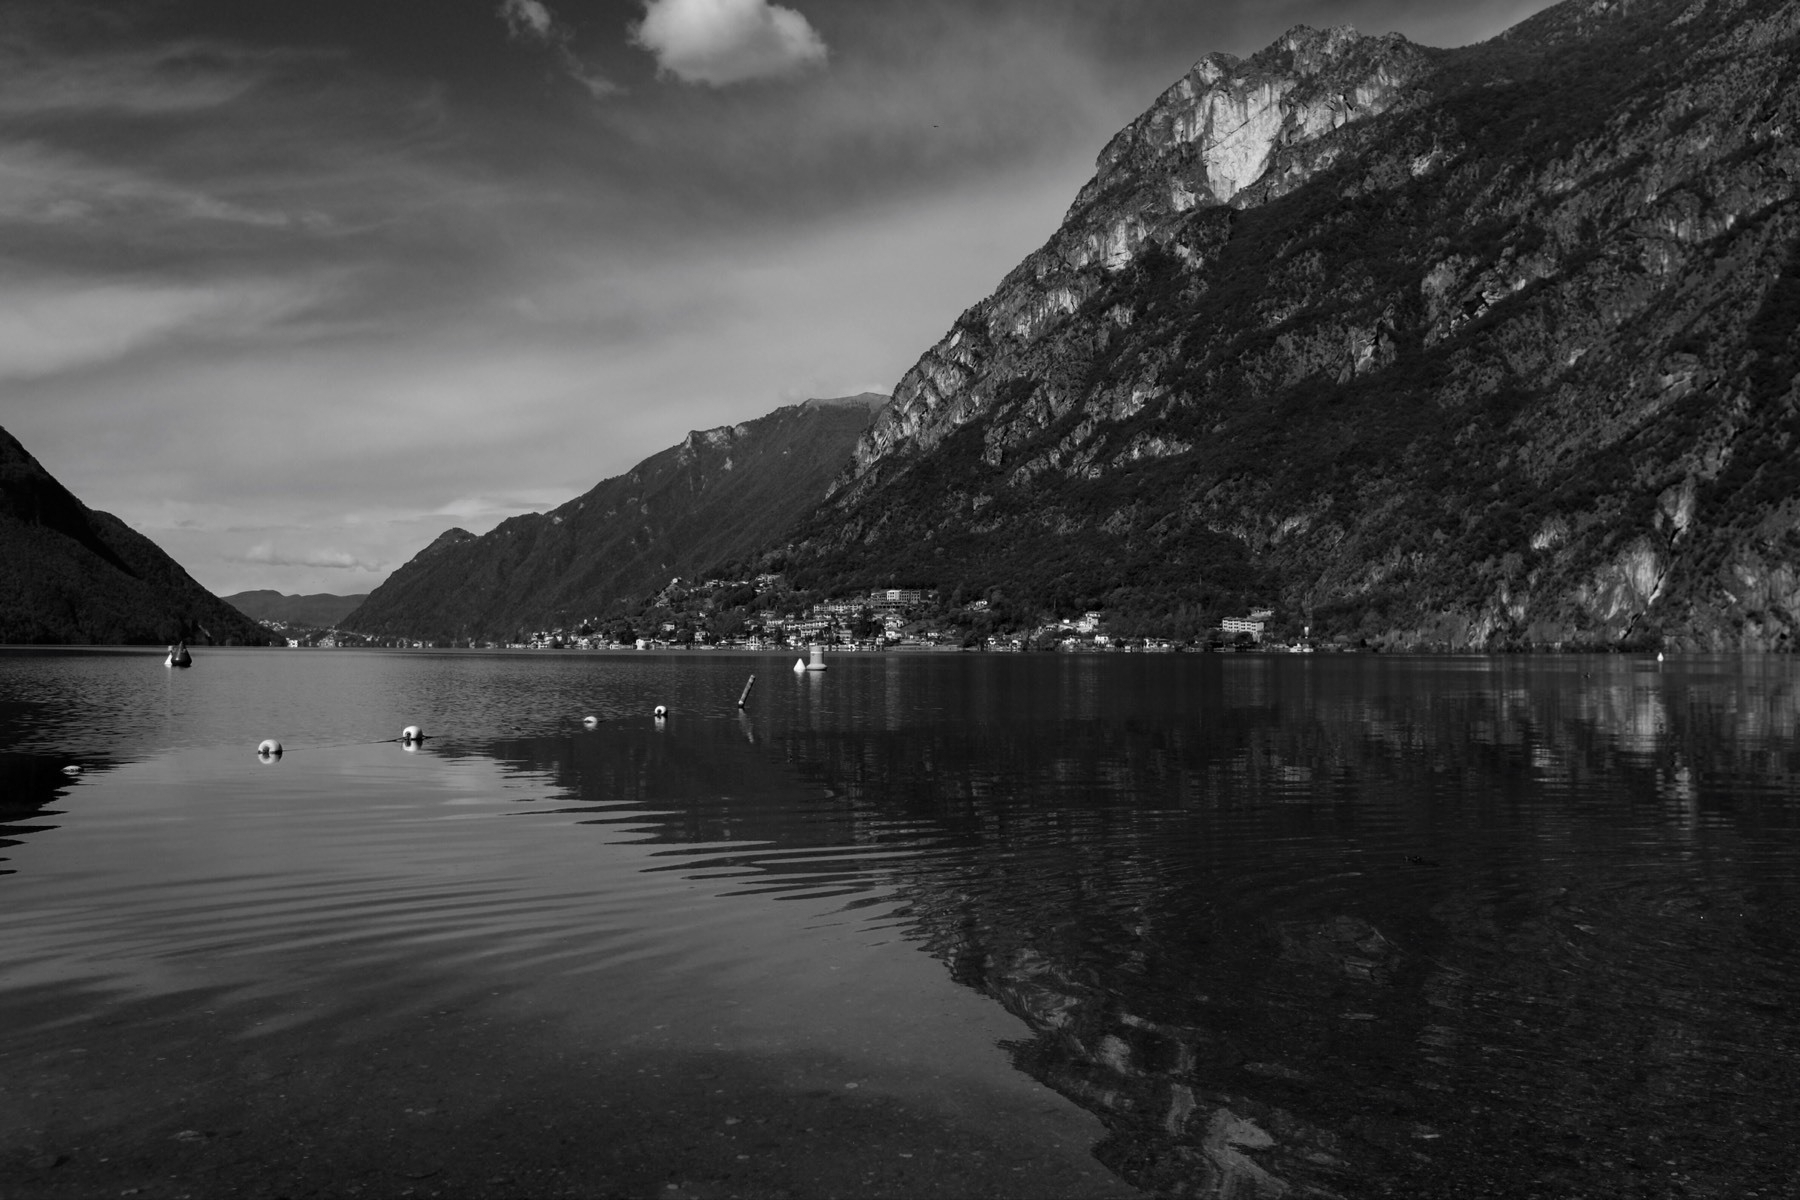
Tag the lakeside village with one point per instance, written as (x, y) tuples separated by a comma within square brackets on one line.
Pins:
[(762, 614)]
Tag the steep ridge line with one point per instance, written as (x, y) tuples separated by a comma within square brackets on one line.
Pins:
[(719, 494), (72, 575)]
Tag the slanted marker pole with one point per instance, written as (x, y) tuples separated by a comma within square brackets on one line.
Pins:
[(745, 695)]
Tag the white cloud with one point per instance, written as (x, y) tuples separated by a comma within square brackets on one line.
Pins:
[(184, 77), (265, 554), (528, 18), (489, 510), (52, 327), (532, 21), (38, 184), (721, 42)]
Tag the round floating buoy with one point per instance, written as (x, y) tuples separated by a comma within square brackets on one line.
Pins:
[(268, 748), (590, 722), (72, 769), (662, 711), (1659, 657), (412, 733)]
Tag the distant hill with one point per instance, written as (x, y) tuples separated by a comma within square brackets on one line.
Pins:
[(721, 494), (69, 574), (1488, 348), (321, 610)]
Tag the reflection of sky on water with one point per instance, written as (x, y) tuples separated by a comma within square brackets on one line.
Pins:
[(1277, 922)]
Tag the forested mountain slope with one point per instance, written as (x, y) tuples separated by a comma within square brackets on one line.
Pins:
[(320, 610), (1484, 347), (69, 574), (721, 494)]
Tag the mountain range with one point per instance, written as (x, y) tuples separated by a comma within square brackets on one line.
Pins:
[(70, 574), (1487, 348), (1490, 347), (720, 494), (321, 610)]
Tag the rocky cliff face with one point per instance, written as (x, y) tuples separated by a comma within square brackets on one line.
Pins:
[(720, 494), (1225, 128), (1485, 347)]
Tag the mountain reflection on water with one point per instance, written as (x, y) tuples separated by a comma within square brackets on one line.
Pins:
[(1420, 927), (1287, 926)]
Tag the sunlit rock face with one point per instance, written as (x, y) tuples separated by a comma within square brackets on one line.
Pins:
[(1232, 118), (1225, 126), (1465, 348)]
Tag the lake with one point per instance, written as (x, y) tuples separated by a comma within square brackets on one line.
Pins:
[(927, 925)]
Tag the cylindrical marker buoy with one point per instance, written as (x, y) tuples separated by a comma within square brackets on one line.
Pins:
[(661, 711), (745, 694), (412, 733), (590, 722), (269, 748)]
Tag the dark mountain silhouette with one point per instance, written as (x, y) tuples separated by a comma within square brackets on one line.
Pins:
[(69, 574), (721, 494)]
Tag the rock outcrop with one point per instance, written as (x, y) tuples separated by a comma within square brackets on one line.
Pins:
[(1226, 127), (1487, 347)]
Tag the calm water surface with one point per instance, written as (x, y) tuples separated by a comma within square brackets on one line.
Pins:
[(1212, 925)]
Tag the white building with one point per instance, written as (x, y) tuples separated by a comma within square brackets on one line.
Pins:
[(1252, 625)]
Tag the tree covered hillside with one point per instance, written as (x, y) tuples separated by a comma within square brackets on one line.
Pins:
[(721, 494), (69, 574)]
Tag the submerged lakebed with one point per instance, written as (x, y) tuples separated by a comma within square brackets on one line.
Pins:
[(1034, 925)]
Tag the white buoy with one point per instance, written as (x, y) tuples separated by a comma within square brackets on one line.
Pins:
[(72, 769), (412, 733), (799, 664), (590, 722), (661, 711), (1659, 656), (268, 748)]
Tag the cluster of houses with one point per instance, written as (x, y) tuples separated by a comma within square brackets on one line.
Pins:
[(884, 619), (763, 614)]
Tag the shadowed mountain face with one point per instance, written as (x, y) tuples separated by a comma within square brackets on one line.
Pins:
[(721, 494), (70, 574), (321, 610), (1476, 348)]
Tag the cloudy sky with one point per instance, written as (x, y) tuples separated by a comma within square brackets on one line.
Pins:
[(294, 287)]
